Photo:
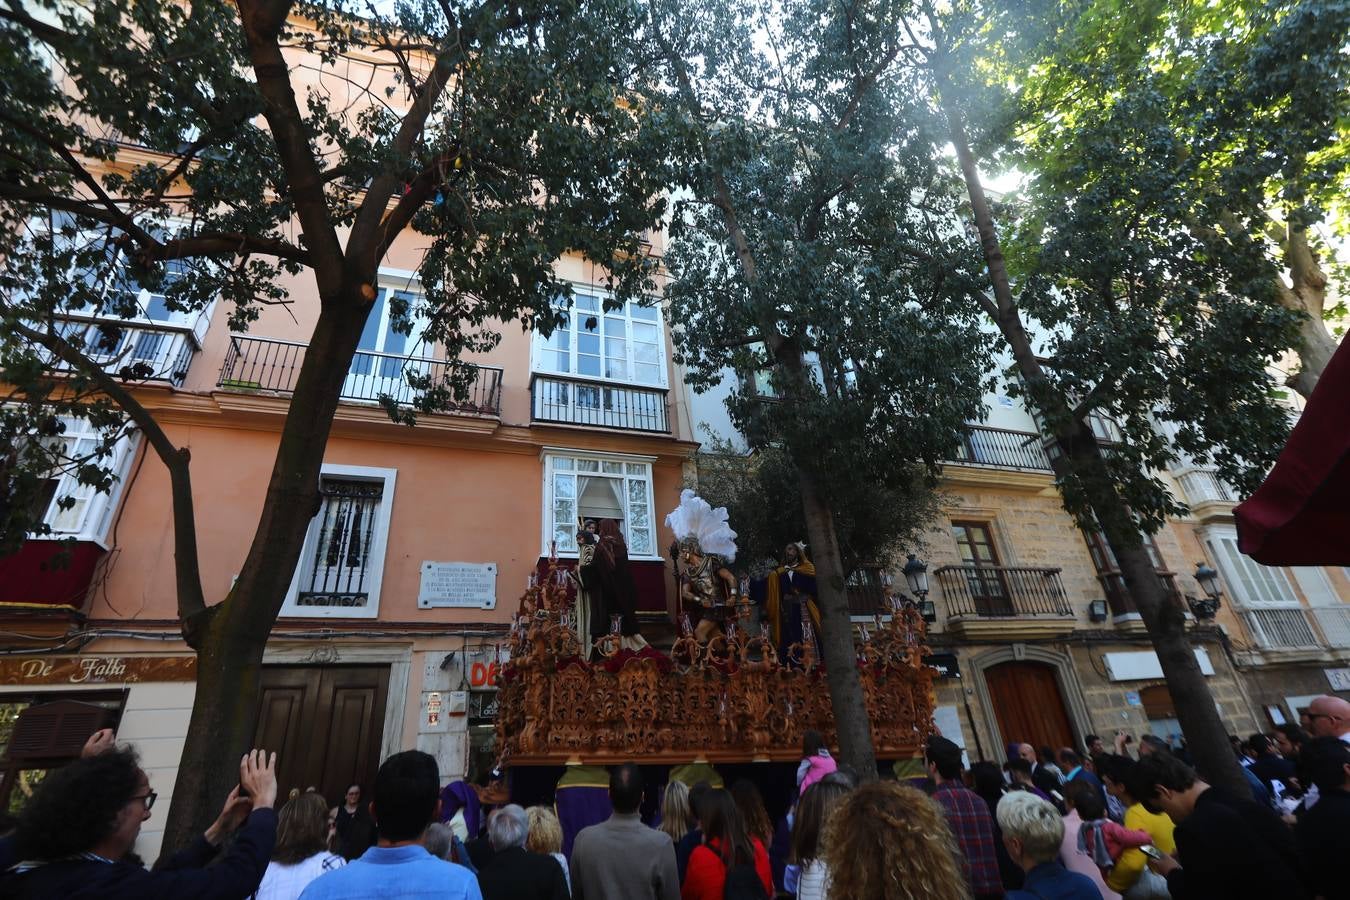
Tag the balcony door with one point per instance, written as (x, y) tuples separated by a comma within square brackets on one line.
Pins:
[(979, 558), (385, 351)]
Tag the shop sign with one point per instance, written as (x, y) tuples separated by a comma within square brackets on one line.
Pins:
[(484, 668), (457, 584), (96, 669), (1339, 679)]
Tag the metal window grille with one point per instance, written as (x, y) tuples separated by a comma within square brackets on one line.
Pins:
[(339, 566)]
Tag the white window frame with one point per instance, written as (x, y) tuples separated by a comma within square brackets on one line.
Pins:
[(96, 519), (1275, 579), (379, 549), (193, 322), (549, 455), (539, 345)]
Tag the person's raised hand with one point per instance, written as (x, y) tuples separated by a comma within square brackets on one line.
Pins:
[(258, 777), (232, 815), (100, 741)]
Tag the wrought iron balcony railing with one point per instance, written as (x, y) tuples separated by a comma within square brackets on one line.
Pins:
[(137, 351), (1204, 486), (1334, 620), (1002, 591), (1118, 596), (1280, 628), (578, 401), (268, 364), (1000, 448)]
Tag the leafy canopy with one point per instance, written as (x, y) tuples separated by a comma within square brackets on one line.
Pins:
[(206, 153), (812, 139)]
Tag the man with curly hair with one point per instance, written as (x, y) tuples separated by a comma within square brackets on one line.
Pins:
[(84, 819)]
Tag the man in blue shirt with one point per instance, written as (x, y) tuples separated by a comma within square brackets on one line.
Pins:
[(407, 799)]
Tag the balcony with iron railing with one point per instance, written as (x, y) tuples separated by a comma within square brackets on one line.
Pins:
[(1205, 493), (1280, 628), (270, 365), (569, 400), (135, 350), (1005, 601), (1002, 449), (1119, 598), (1291, 627), (866, 592)]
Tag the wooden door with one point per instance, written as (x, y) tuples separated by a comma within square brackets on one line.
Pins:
[(1028, 705), (325, 724)]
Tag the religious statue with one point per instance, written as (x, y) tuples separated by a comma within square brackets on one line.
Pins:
[(707, 546), (790, 597), (588, 606), (608, 584)]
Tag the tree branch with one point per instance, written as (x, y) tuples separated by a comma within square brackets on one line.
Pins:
[(262, 24)]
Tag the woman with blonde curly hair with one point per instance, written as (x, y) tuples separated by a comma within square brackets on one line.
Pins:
[(546, 836), (888, 842)]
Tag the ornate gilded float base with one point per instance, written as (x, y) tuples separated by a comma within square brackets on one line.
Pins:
[(736, 704)]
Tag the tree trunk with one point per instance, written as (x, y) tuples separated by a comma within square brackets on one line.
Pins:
[(851, 721), (231, 637), (1164, 617), (1205, 735)]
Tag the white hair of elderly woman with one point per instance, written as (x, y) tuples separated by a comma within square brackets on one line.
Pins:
[(1037, 824), (437, 839), (508, 827)]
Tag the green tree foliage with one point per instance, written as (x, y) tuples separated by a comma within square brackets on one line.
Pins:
[(1138, 285), (206, 150), (817, 244), (1254, 96), (874, 524)]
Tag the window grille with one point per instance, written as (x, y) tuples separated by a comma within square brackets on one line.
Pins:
[(340, 566)]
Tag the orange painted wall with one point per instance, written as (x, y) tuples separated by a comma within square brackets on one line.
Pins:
[(450, 504)]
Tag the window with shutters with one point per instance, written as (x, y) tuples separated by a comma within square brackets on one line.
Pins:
[(1262, 596), (342, 561), (40, 733)]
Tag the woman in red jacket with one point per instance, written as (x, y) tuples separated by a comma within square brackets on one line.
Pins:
[(726, 845)]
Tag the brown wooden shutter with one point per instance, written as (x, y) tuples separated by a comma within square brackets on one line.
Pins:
[(57, 729)]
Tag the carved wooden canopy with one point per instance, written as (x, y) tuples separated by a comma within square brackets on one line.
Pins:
[(728, 701)]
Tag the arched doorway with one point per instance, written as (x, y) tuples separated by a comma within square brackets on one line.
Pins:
[(1028, 705)]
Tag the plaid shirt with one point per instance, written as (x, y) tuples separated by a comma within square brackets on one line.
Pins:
[(968, 816)]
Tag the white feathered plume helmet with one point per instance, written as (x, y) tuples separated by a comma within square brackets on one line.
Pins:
[(695, 519)]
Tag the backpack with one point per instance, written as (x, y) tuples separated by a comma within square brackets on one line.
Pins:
[(742, 883)]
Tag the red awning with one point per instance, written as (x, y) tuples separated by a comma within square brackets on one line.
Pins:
[(1300, 516)]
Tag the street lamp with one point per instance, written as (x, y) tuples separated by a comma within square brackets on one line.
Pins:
[(916, 574), (1208, 579)]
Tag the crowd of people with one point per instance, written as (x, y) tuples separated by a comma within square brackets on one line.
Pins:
[(1043, 826)]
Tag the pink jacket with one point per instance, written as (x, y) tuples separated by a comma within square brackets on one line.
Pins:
[(1118, 837), (814, 768)]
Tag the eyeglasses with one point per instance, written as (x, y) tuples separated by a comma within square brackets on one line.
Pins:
[(148, 798)]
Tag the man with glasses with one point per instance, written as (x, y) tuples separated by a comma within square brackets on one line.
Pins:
[(84, 819), (1329, 717)]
